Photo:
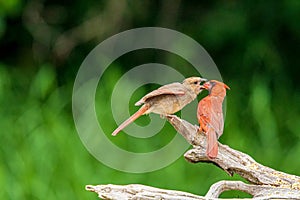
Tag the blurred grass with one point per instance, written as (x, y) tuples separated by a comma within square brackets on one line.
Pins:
[(42, 157)]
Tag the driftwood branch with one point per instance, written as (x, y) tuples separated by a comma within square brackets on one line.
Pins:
[(257, 191), (264, 182), (135, 191), (232, 161)]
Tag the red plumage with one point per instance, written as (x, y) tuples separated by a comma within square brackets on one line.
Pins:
[(210, 115)]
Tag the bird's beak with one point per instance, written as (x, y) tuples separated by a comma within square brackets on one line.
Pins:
[(203, 80), (206, 85)]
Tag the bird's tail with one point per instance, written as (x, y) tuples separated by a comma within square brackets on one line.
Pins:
[(212, 144), (136, 115)]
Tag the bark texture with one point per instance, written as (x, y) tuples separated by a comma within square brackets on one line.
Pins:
[(264, 182)]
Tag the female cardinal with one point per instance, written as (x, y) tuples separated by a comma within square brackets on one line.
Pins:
[(167, 99), (210, 115)]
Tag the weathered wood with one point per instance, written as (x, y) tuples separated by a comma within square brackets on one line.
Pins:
[(265, 182), (257, 191), (230, 160), (142, 192), (136, 191)]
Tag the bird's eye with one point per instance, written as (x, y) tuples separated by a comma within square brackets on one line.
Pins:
[(196, 82)]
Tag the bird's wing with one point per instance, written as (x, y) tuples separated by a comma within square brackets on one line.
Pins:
[(204, 113), (210, 115), (173, 88), (217, 120)]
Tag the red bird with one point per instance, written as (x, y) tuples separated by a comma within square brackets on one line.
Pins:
[(210, 115)]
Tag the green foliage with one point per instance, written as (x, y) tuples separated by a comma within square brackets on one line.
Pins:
[(42, 157)]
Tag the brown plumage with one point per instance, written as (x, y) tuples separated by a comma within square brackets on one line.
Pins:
[(166, 100), (210, 115)]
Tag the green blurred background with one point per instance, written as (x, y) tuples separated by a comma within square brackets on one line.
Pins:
[(255, 44)]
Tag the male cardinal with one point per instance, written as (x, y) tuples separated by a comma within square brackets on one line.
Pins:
[(210, 115), (167, 99)]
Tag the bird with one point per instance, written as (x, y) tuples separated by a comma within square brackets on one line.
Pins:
[(210, 115), (166, 100)]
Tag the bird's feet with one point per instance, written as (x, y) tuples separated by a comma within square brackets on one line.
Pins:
[(169, 116)]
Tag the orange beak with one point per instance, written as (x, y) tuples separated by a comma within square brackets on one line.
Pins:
[(206, 85)]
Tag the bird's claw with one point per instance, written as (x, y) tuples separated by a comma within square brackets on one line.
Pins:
[(170, 116)]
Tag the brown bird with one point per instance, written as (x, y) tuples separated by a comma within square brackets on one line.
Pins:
[(167, 99), (210, 115)]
